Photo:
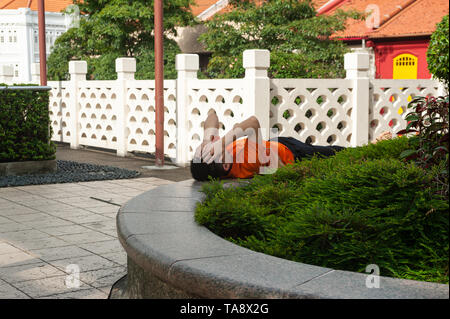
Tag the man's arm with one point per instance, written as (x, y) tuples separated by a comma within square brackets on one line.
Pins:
[(211, 127), (249, 127), (210, 133)]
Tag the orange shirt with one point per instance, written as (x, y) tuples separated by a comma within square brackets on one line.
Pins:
[(248, 156)]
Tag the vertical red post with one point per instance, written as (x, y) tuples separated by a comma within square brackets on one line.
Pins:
[(42, 49), (159, 84)]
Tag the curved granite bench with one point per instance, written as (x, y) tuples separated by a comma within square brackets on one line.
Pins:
[(170, 256)]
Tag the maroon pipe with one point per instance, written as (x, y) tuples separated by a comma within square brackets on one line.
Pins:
[(42, 50), (159, 84)]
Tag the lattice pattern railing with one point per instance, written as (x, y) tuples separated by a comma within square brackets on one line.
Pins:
[(120, 114), (97, 114), (311, 110), (140, 120), (60, 116), (225, 97), (389, 100)]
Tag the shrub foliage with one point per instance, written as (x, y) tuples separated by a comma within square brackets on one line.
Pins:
[(25, 130), (437, 53), (428, 119), (363, 206)]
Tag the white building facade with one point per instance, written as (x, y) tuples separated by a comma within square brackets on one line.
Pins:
[(19, 39)]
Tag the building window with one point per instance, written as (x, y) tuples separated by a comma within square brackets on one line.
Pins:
[(405, 67)]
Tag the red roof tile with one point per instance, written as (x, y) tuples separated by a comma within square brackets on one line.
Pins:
[(430, 12), (397, 17), (319, 3), (50, 6), (201, 5)]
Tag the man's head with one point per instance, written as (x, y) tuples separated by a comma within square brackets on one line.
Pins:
[(201, 171)]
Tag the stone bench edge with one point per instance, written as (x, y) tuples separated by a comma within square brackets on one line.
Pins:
[(195, 275)]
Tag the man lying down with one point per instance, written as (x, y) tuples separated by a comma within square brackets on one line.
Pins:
[(241, 152)]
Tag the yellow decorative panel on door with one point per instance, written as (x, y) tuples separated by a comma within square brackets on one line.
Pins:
[(405, 67)]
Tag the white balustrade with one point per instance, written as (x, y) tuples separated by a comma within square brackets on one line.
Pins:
[(314, 110), (389, 100), (120, 114)]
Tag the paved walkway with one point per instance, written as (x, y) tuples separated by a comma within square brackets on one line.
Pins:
[(47, 232)]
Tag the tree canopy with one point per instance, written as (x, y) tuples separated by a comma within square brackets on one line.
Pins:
[(118, 28), (299, 40), (437, 53)]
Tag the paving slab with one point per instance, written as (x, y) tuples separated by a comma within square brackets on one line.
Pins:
[(65, 230), (45, 228), (9, 292), (16, 259), (87, 237), (4, 220), (23, 235), (48, 286), (48, 221), (58, 253), (6, 248), (39, 270), (41, 243), (132, 162), (119, 258), (15, 209), (101, 226), (103, 247), (13, 226), (85, 263), (91, 293), (103, 277)]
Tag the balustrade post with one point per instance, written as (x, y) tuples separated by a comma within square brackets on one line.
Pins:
[(257, 91), (77, 71), (125, 68), (357, 66), (187, 66)]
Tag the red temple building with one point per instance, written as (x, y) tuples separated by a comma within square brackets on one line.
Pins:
[(396, 33)]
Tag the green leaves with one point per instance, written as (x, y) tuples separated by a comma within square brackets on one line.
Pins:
[(429, 119), (438, 51), (359, 207), (118, 28), (24, 126), (298, 39), (407, 153)]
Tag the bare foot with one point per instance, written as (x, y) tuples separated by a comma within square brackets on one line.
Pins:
[(383, 136)]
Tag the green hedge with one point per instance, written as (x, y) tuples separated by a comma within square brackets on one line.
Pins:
[(438, 51), (25, 129), (363, 206)]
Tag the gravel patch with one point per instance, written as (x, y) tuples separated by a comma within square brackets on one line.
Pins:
[(70, 172)]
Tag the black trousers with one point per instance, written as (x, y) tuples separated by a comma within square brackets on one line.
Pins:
[(301, 150)]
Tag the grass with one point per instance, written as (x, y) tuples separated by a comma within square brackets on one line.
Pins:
[(362, 206)]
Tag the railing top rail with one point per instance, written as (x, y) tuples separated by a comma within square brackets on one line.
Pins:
[(26, 88)]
